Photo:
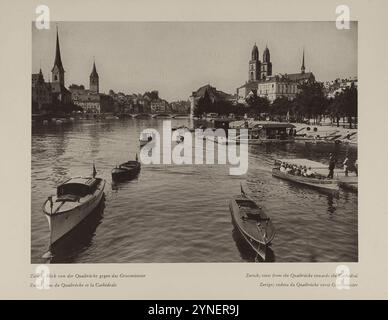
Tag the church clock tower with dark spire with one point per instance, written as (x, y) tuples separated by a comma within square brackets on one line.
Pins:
[(94, 80), (266, 66), (58, 72), (254, 65)]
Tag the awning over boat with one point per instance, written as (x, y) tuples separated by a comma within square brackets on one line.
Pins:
[(79, 186), (304, 162)]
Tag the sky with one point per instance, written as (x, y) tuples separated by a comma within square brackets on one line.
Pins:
[(176, 58)]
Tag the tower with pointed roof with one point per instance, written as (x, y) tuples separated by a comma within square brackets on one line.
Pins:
[(58, 72), (302, 69), (94, 80), (254, 65), (266, 65)]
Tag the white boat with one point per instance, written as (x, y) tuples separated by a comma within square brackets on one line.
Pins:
[(319, 181), (76, 198)]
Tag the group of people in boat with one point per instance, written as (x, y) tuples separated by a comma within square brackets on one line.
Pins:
[(297, 170)]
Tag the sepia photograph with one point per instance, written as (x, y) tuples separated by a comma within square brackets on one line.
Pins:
[(194, 142)]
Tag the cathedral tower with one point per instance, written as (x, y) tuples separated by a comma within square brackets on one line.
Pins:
[(254, 65), (94, 80), (266, 66), (302, 69)]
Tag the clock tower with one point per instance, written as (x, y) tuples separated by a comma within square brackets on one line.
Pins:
[(254, 65)]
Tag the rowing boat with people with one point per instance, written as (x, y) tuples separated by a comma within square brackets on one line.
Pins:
[(318, 179)]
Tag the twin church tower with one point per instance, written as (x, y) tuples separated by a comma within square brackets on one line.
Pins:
[(260, 70)]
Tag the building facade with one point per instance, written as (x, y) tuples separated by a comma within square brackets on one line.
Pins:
[(160, 106), (41, 92), (213, 94), (262, 83), (91, 101)]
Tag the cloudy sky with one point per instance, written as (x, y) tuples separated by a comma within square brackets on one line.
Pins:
[(176, 58)]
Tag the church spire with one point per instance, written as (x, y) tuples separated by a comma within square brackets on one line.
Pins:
[(94, 70), (302, 69), (58, 60), (94, 79)]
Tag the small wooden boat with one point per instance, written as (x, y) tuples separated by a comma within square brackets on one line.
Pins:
[(76, 198), (126, 171), (319, 182), (252, 223)]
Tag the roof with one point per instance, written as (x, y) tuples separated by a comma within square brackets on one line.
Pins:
[(300, 76), (304, 162), (274, 125), (86, 181)]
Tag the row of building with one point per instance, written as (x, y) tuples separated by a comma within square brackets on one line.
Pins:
[(262, 83), (46, 94), (149, 102), (332, 88)]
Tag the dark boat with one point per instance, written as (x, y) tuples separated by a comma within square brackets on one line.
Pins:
[(126, 171), (252, 223)]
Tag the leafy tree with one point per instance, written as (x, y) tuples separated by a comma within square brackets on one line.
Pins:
[(204, 104), (258, 105), (344, 104), (310, 102), (281, 106)]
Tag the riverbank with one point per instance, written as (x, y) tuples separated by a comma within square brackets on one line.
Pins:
[(311, 131)]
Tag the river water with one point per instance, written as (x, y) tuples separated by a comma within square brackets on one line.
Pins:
[(180, 213)]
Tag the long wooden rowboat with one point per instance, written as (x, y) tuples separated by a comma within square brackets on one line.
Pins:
[(323, 184), (252, 223)]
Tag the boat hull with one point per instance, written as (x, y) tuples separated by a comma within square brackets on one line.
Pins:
[(325, 185), (63, 222), (119, 174), (257, 239)]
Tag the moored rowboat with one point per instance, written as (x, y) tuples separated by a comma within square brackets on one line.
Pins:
[(126, 171)]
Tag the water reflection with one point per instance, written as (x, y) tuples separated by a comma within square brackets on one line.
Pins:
[(246, 251), (331, 207), (67, 249), (184, 202)]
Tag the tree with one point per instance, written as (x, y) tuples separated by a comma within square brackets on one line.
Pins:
[(258, 105), (344, 104), (281, 106), (204, 104), (311, 101)]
